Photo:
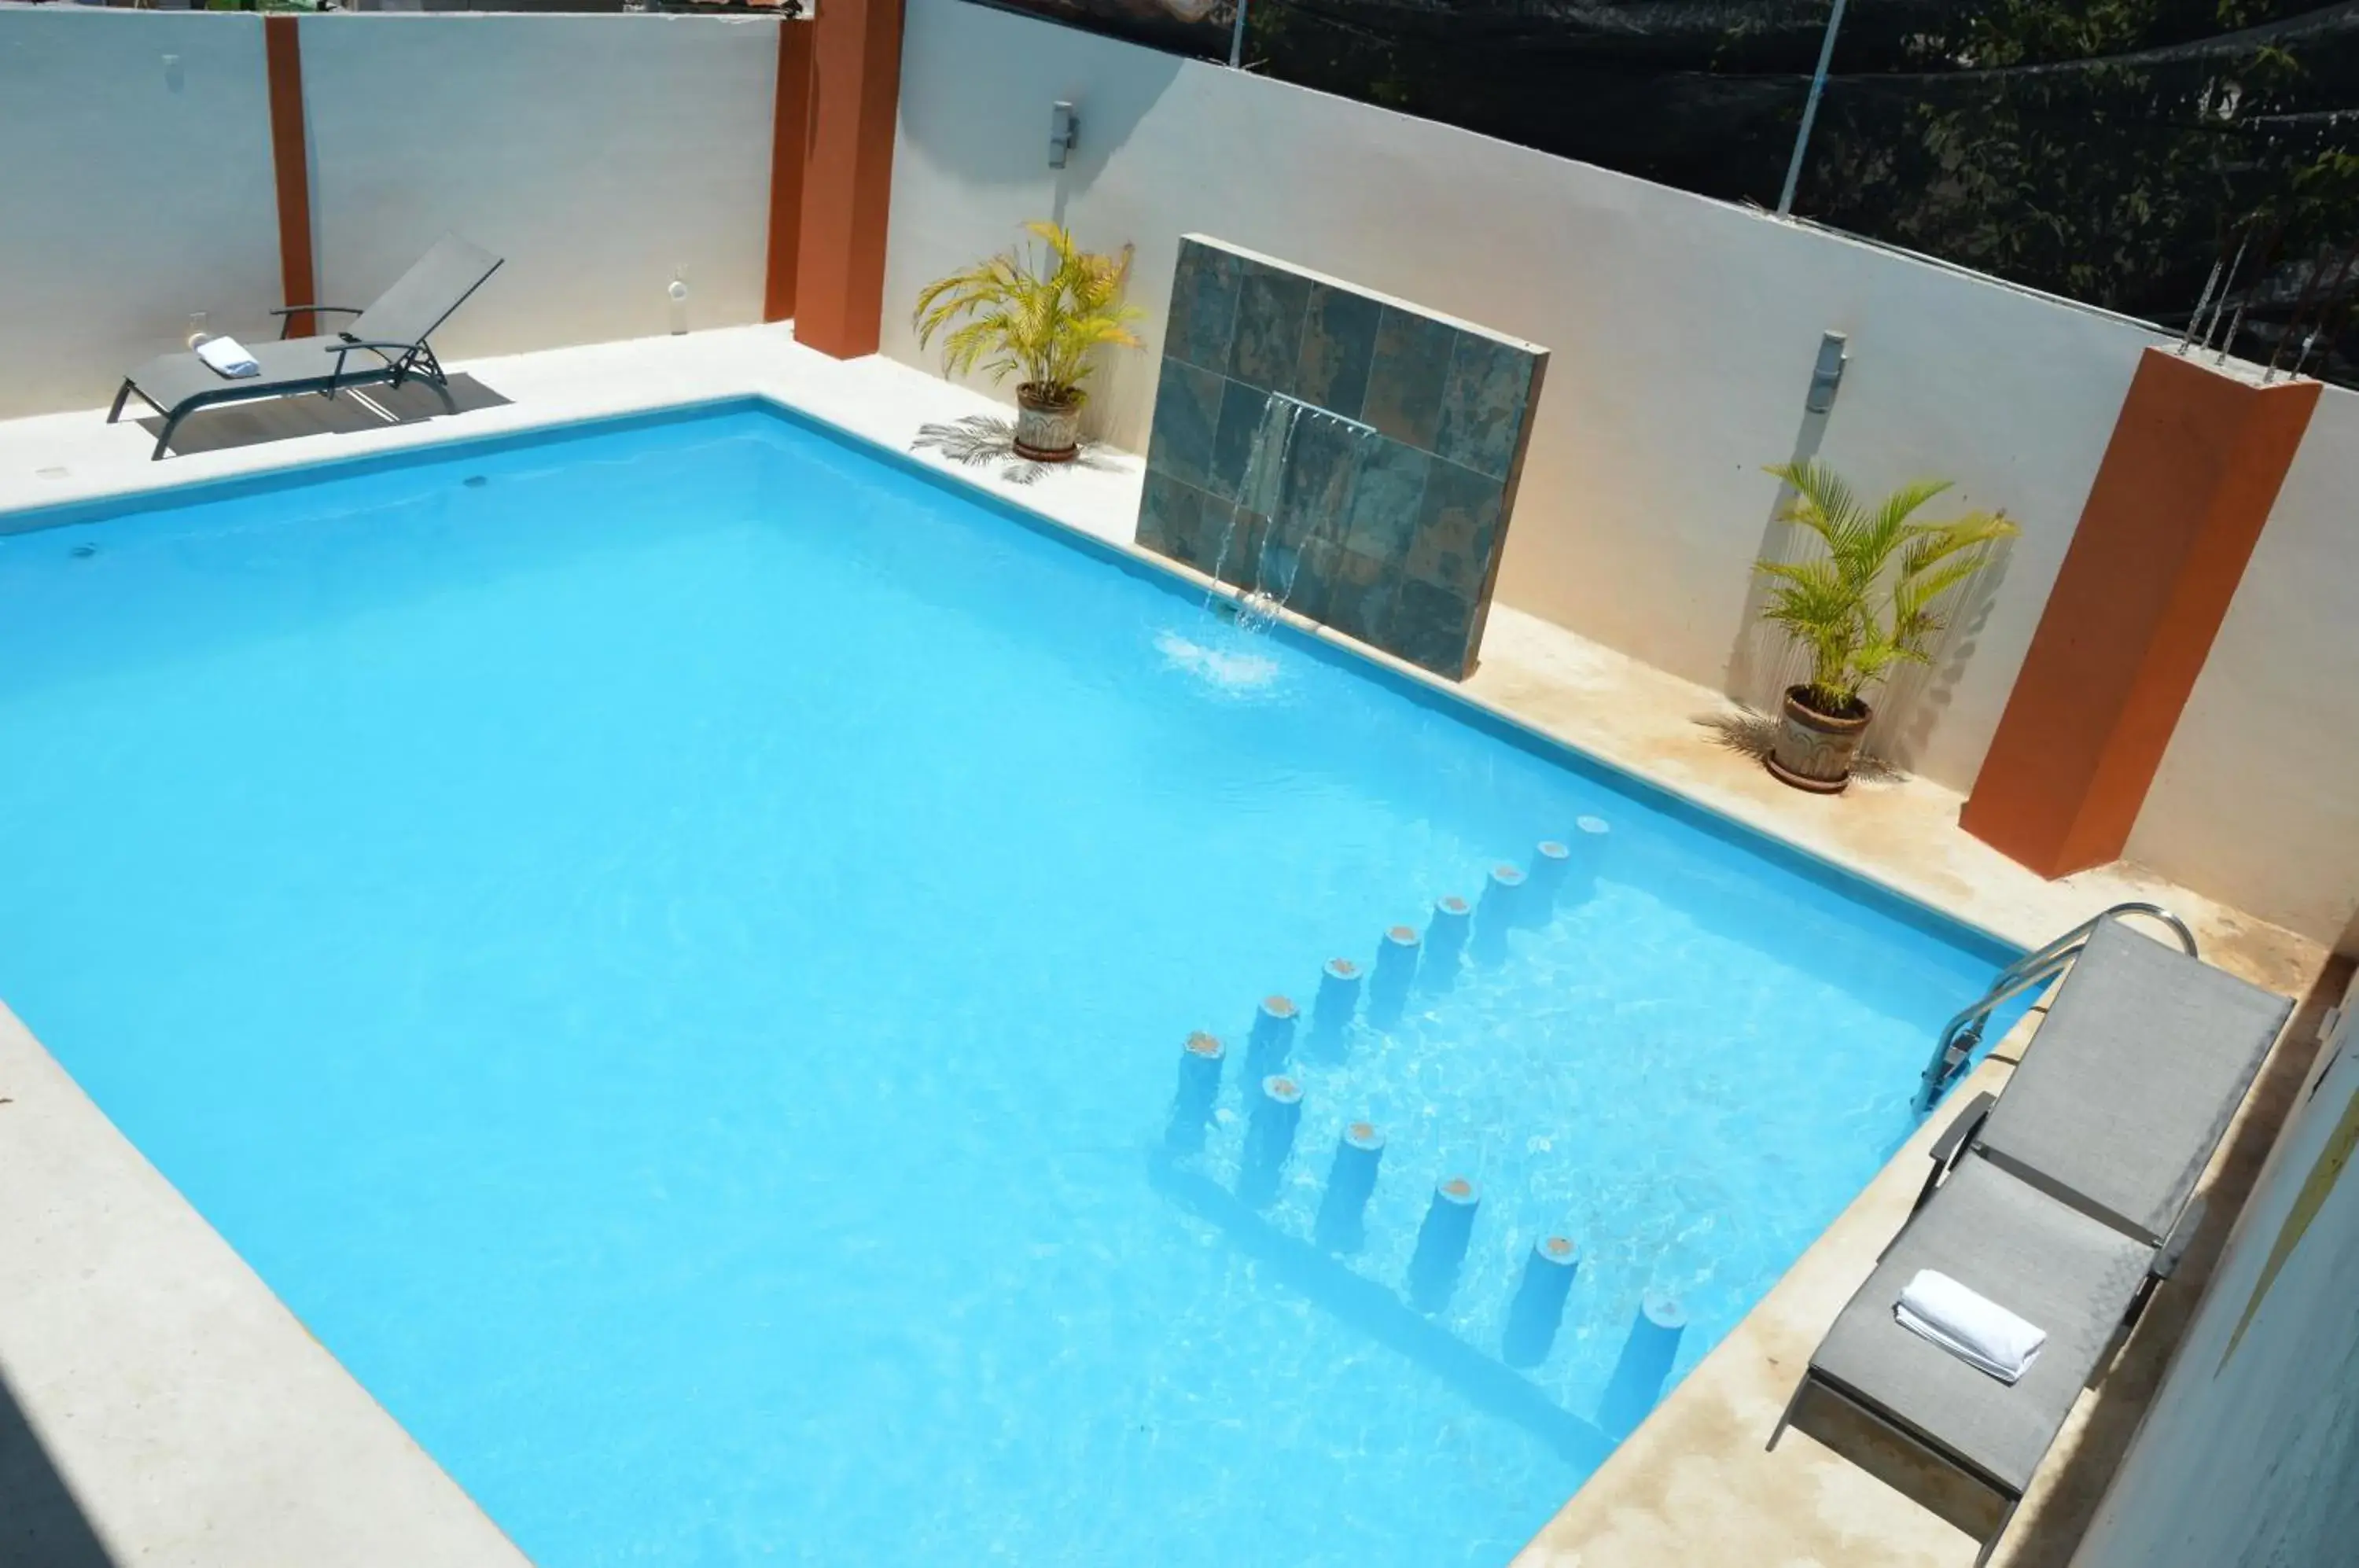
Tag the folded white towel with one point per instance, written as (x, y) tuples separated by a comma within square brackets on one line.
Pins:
[(228, 356), (1969, 1326)]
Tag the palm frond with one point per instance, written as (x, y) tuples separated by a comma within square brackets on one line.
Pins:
[(1892, 514), (1822, 503), (1931, 543)]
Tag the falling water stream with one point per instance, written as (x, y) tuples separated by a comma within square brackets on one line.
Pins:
[(1278, 564)]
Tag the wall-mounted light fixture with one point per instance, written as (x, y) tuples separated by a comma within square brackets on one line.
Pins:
[(1064, 130), (1828, 374)]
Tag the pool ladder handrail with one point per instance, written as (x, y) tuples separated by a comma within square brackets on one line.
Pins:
[(1964, 1031)]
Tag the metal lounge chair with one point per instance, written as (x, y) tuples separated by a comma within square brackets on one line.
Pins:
[(2066, 1199), (386, 343)]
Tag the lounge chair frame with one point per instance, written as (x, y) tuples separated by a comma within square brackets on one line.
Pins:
[(1955, 1144), (2141, 1049), (394, 363)]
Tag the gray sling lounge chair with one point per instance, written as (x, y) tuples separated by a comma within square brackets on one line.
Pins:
[(2130, 1083), (386, 343), (2065, 1200)]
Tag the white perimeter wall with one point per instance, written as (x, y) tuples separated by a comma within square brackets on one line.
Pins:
[(1683, 334), (2253, 1457), (2257, 802), (597, 153), (135, 189), (600, 153)]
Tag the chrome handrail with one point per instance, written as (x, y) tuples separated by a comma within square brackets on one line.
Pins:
[(1964, 1031)]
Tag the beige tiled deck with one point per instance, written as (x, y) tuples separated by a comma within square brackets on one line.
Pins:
[(1904, 834), (56, 458), (193, 1421)]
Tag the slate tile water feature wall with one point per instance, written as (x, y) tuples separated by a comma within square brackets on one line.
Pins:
[(1410, 568)]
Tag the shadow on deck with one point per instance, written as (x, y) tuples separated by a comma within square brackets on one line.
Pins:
[(41, 1522), (283, 419)]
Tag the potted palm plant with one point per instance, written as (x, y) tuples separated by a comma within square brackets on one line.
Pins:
[(1871, 601), (1039, 315)]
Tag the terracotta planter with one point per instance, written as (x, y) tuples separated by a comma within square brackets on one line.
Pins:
[(1815, 750), (1047, 430)]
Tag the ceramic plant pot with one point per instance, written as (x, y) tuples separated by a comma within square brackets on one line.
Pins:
[(1815, 750), (1048, 430)]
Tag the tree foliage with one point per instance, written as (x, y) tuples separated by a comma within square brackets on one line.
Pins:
[(2111, 151)]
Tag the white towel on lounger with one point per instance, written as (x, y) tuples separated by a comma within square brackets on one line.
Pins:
[(1969, 1326), (228, 356)]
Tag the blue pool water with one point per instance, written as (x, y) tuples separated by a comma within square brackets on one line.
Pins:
[(669, 949)]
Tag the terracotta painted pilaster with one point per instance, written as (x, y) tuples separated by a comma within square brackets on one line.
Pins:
[(789, 143), (2196, 460), (290, 161), (847, 192)]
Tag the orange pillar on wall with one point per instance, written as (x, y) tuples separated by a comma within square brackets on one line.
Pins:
[(790, 143), (2196, 460), (856, 83), (282, 59)]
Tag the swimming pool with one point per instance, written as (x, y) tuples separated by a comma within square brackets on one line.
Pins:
[(670, 946)]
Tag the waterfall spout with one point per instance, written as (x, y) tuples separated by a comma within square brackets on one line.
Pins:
[(1252, 556)]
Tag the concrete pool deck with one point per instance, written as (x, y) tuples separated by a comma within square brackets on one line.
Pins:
[(157, 1404)]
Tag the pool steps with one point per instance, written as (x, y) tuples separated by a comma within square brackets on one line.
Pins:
[(1374, 1309), (1563, 871)]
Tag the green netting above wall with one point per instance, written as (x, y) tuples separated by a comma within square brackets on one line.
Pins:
[(2113, 151)]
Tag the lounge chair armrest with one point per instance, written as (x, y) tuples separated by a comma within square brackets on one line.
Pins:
[(2182, 1235), (1961, 1131), (2165, 1259), (1952, 1144), (392, 354), (288, 313)]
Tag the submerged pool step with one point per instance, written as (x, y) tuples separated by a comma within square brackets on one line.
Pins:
[(1408, 963), (1354, 1300), (1535, 1313), (1563, 873), (1274, 1117)]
